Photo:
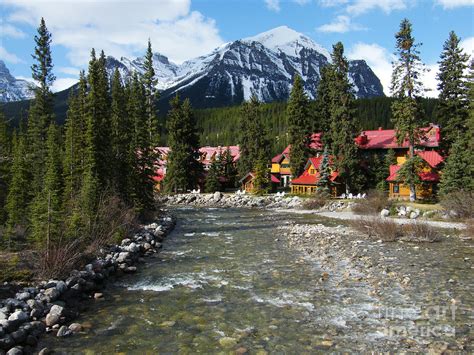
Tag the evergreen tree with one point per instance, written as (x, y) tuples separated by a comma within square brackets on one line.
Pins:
[(456, 171), (299, 128), (229, 171), (18, 198), (261, 182), (324, 182), (41, 113), (183, 168), (344, 128), (212, 179), (470, 124), (249, 136), (150, 82), (453, 106), (382, 174), (406, 88), (46, 215), (5, 162), (322, 121)]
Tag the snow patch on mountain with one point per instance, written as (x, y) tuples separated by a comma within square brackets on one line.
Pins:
[(13, 89)]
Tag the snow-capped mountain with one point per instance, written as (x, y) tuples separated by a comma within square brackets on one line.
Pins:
[(263, 65), (12, 89)]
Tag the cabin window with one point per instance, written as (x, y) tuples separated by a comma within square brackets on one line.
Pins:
[(396, 188), (285, 166), (312, 171)]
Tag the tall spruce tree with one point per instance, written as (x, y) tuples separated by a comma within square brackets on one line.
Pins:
[(149, 82), (453, 105), (212, 179), (229, 170), (470, 123), (324, 182), (47, 212), (261, 182), (183, 168), (41, 113), (322, 120), (343, 126), (407, 87), (5, 163), (299, 128), (253, 138), (456, 175)]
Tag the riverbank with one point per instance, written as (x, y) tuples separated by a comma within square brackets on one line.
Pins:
[(436, 279), (50, 306)]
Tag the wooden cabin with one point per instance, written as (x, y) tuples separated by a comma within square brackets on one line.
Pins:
[(429, 176), (306, 183), (247, 182)]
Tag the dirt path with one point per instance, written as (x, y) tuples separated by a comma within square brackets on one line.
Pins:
[(347, 216)]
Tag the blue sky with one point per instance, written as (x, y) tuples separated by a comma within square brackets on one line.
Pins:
[(183, 29)]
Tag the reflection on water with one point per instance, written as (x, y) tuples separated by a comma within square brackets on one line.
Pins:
[(223, 283)]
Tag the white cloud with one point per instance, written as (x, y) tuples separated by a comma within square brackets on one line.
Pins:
[(341, 24), (7, 30), (468, 46), (302, 2), (451, 4), (120, 28), (68, 70), (61, 84), (9, 57), (380, 60), (332, 3), (358, 7), (273, 5)]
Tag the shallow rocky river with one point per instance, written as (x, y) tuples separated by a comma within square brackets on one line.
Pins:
[(226, 281)]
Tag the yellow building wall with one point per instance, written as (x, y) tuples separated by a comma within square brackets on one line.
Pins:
[(401, 159), (423, 191), (275, 168)]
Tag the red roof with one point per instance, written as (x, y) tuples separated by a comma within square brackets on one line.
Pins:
[(275, 179), (385, 139), (432, 157), (424, 176), (307, 179), (315, 144)]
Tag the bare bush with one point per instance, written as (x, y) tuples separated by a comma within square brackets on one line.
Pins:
[(111, 223), (384, 229), (375, 202), (459, 204), (317, 201), (469, 231), (420, 232)]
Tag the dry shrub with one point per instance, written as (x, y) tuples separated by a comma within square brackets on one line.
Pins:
[(317, 201), (112, 222), (375, 202), (420, 232), (461, 203), (384, 229), (469, 231)]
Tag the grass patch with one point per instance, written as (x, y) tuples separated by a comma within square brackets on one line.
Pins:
[(316, 201), (11, 269)]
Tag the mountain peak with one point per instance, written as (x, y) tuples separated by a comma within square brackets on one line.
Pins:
[(287, 40)]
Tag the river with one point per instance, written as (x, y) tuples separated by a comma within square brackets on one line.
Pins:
[(227, 281)]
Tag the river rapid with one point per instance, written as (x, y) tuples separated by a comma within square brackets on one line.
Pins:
[(226, 281)]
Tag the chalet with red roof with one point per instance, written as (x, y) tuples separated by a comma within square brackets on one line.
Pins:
[(307, 182), (247, 182), (280, 169), (429, 176)]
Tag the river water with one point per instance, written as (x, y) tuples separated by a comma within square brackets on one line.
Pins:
[(226, 281)]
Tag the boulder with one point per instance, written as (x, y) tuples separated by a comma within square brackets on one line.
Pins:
[(17, 350), (23, 296), (217, 196), (6, 342), (51, 294), (132, 248), (63, 331), (75, 327), (18, 316), (61, 287), (384, 213), (54, 315), (414, 214), (19, 336), (123, 256)]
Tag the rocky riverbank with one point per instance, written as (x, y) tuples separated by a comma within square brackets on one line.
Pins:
[(50, 306), (428, 276)]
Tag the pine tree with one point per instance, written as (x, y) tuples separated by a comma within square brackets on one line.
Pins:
[(456, 171), (5, 162), (229, 171), (324, 182), (41, 113), (47, 212), (384, 171), (17, 199), (470, 124), (261, 182), (406, 88), (212, 179), (299, 128), (183, 168), (322, 122), (453, 106), (343, 122), (253, 138), (150, 82)]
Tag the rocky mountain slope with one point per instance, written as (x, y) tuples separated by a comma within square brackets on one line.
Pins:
[(12, 89)]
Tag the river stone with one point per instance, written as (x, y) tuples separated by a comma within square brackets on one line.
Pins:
[(17, 350), (98, 295), (6, 342), (132, 248), (3, 315), (122, 257), (63, 331), (227, 342), (19, 336), (384, 213), (23, 296), (51, 294), (217, 196), (61, 287), (45, 351), (54, 315), (75, 327), (18, 316)]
